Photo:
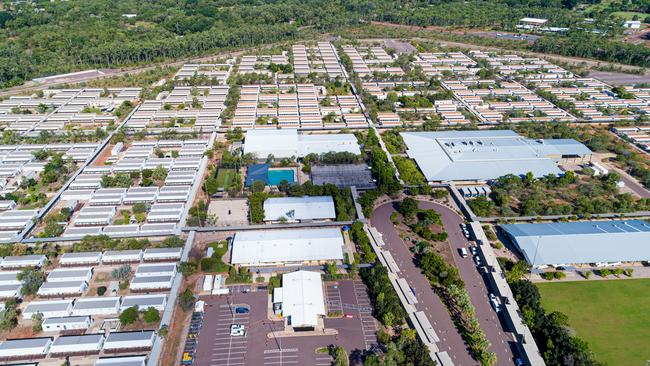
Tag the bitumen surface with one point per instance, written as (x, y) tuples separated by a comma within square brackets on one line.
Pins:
[(450, 339), (217, 348)]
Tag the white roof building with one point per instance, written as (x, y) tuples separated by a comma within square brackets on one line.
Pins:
[(302, 298), (285, 143), (35, 260), (122, 256), (143, 302), (96, 306), (77, 344), (81, 258), (70, 274), (129, 340), (122, 361), (9, 278), (62, 288), (66, 323), (151, 283), (25, 348), (49, 309), (307, 208), (162, 254), (155, 269), (271, 247)]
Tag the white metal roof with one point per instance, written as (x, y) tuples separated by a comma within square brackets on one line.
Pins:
[(299, 208), (272, 246), (302, 300)]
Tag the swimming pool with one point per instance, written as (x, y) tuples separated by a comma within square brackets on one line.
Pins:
[(276, 176)]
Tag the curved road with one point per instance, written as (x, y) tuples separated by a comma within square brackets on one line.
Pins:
[(450, 340)]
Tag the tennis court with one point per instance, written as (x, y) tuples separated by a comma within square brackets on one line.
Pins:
[(225, 178)]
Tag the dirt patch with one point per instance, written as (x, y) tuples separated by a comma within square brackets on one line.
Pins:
[(175, 341), (619, 78)]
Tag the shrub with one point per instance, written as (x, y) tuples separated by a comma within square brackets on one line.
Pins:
[(151, 316), (129, 316), (121, 273), (186, 300), (101, 290), (605, 272), (628, 272)]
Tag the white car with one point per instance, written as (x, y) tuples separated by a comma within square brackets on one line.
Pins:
[(237, 330), (495, 303), (477, 260), (473, 250)]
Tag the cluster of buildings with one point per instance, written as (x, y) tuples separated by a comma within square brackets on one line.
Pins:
[(184, 109), (445, 63), (508, 65), (61, 110), (166, 204), (495, 102), (76, 323), (214, 72), (320, 59), (296, 106), (372, 62), (595, 101), (639, 135), (259, 64)]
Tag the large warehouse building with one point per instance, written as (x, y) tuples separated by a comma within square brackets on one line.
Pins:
[(282, 247), (286, 143), (559, 243), (485, 155)]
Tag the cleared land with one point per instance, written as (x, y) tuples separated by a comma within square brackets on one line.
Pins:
[(611, 316)]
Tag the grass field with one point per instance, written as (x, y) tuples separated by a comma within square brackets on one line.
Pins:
[(612, 316), (225, 178)]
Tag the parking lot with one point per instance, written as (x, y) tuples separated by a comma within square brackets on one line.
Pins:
[(259, 346)]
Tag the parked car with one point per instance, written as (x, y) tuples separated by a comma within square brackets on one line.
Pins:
[(473, 250), (495, 303), (477, 260), (349, 316), (463, 252), (241, 310), (237, 330)]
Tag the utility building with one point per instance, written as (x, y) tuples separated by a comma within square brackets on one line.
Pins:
[(485, 155), (558, 243)]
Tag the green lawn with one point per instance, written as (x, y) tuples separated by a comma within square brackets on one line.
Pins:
[(613, 316), (225, 178)]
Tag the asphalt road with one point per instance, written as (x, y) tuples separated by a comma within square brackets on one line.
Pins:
[(634, 186), (451, 341), (477, 287), (428, 301)]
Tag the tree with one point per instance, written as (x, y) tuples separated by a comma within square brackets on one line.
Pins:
[(101, 290), (187, 268), (408, 208), (32, 280), (37, 322), (211, 185), (121, 273), (186, 300), (151, 316), (339, 355), (129, 316), (159, 173)]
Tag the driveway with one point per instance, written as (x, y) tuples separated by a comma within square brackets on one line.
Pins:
[(450, 340), (477, 286), (428, 301)]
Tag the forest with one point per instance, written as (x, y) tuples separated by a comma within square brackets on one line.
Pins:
[(42, 38)]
